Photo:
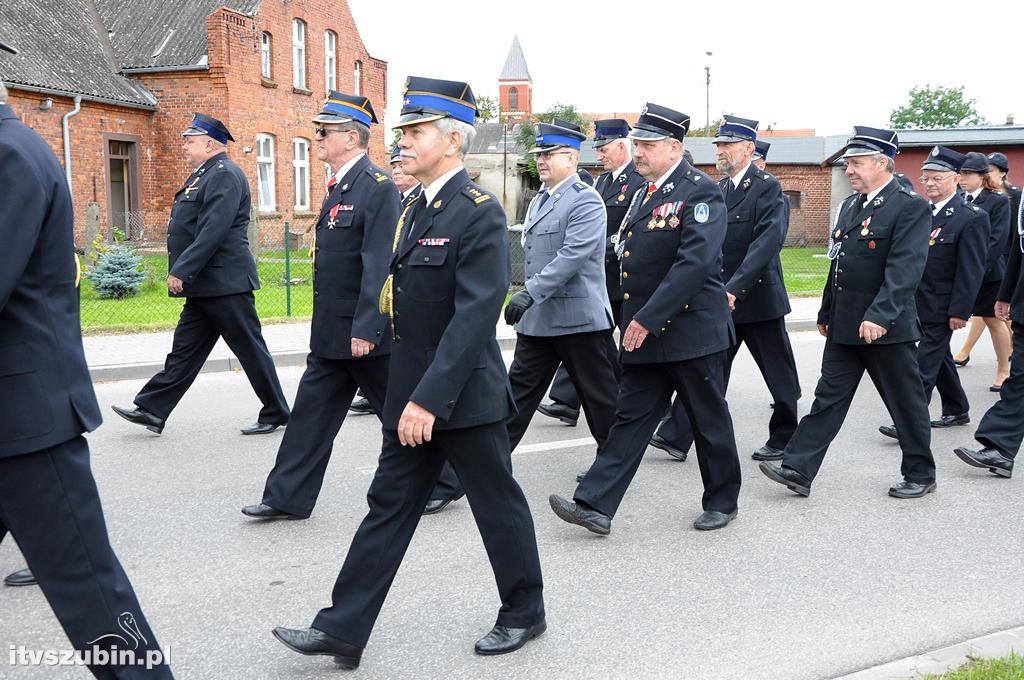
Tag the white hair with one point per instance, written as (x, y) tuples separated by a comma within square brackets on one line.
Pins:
[(448, 125)]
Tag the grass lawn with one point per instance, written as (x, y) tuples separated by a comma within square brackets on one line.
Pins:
[(805, 270), (1005, 668)]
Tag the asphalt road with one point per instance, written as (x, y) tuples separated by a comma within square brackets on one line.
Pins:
[(794, 588)]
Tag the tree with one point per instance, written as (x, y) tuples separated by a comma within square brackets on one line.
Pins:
[(487, 109), (703, 131), (528, 133), (934, 107), (116, 274)]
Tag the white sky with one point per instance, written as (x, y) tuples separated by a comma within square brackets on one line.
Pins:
[(792, 64)]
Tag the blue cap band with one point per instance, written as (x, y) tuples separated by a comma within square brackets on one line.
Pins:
[(558, 140), (210, 130), (351, 110), (457, 110)]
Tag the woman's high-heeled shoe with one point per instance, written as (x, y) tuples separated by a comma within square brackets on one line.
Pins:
[(959, 363)]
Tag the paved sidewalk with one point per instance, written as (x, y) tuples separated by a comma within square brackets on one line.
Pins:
[(140, 355), (945, 659)]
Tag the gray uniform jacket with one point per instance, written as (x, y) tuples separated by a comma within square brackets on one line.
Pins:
[(565, 247)]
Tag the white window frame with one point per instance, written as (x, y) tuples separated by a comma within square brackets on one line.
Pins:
[(266, 45), (357, 78), (331, 60), (300, 172), (265, 173), (299, 53)]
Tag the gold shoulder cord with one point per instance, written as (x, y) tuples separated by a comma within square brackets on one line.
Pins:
[(386, 302), (78, 271)]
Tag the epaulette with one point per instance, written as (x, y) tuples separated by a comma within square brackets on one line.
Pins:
[(692, 176), (908, 192), (376, 174), (475, 194), (975, 208), (579, 186)]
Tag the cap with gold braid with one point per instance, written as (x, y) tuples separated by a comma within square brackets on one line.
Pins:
[(428, 99), (345, 108)]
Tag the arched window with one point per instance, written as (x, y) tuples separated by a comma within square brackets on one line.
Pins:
[(357, 78), (299, 53), (266, 42), (513, 99), (331, 60)]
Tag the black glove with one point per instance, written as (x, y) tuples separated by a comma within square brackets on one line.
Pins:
[(517, 306)]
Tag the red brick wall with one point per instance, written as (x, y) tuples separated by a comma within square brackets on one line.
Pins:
[(232, 90), (808, 224), (525, 97)]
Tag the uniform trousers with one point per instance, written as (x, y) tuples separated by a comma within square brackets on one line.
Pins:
[(768, 343), (203, 320), (644, 393), (321, 404), (1002, 426), (938, 370), (562, 389), (50, 504), (399, 491), (893, 369)]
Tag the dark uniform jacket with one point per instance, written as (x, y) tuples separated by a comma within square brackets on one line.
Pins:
[(1014, 195), (616, 194), (1012, 288), (758, 219), (671, 270), (956, 262), (351, 258), (207, 235), (878, 267), (46, 395), (998, 208), (451, 275)]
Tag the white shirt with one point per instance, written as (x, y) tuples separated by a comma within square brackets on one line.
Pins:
[(872, 194), (941, 204), (429, 192), (661, 180), (973, 194), (407, 192), (618, 171), (738, 176), (345, 168)]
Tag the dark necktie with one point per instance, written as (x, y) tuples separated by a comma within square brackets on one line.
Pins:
[(542, 200), (969, 198), (417, 207)]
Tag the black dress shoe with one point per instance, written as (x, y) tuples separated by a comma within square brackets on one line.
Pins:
[(995, 388), (361, 407), (791, 479), (557, 409), (990, 458), (950, 421), (313, 642), (659, 442), (23, 577), (260, 428), (141, 416), (264, 511), (959, 363), (907, 489), (574, 513), (711, 520), (767, 453), (889, 431), (436, 505), (502, 640)]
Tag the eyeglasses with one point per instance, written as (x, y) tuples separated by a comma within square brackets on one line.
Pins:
[(322, 132), (548, 154), (935, 180)]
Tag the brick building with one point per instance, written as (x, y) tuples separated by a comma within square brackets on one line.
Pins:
[(124, 76), (515, 86)]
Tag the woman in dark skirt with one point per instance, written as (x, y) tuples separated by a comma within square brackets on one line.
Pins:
[(980, 190)]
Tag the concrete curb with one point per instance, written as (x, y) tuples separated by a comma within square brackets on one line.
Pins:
[(145, 370), (940, 661)]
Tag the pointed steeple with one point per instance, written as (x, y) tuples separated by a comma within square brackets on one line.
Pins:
[(515, 64)]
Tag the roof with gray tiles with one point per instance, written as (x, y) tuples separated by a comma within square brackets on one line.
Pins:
[(61, 49), (515, 64)]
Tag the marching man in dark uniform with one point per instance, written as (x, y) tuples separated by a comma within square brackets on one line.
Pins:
[(48, 497), (349, 339), (409, 189), (957, 248), (758, 219), (761, 148), (878, 248), (1002, 427), (616, 185), (678, 330), (448, 394), (210, 265)]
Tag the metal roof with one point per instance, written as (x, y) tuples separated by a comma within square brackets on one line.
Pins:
[(515, 64)]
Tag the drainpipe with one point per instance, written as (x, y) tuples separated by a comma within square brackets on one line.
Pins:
[(67, 140)]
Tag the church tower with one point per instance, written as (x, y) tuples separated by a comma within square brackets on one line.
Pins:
[(515, 87)]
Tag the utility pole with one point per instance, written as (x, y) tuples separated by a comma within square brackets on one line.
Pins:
[(707, 95)]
